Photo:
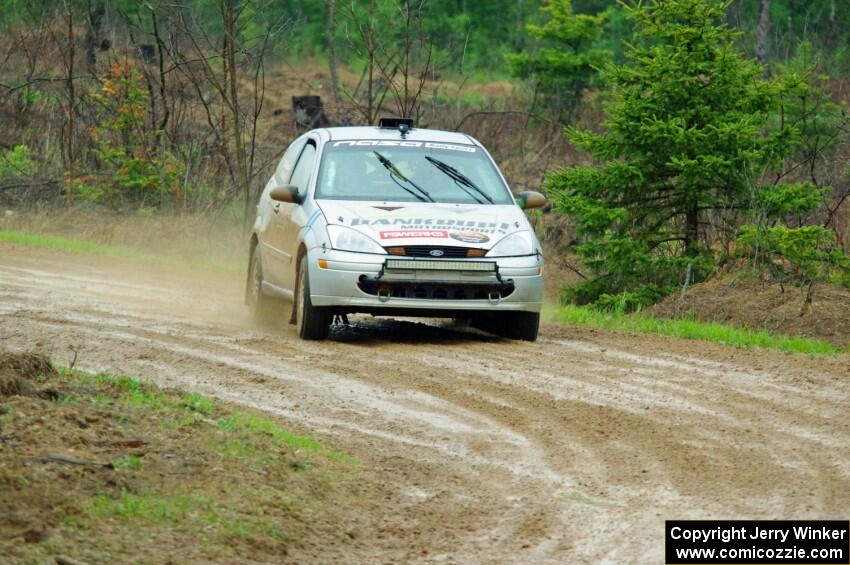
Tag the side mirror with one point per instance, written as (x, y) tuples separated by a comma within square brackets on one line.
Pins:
[(530, 200), (286, 193)]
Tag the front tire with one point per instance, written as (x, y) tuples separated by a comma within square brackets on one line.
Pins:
[(512, 325), (312, 322), (522, 325)]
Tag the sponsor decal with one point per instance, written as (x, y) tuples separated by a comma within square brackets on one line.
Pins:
[(480, 227), (408, 234), (469, 237), (450, 147), (389, 143)]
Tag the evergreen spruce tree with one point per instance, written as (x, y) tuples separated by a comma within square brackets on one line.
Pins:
[(687, 135), (567, 59)]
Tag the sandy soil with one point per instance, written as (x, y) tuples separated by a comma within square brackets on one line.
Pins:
[(575, 448), (740, 299)]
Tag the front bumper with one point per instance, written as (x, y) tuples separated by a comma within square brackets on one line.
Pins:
[(360, 282)]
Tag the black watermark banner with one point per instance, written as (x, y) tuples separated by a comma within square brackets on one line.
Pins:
[(757, 542)]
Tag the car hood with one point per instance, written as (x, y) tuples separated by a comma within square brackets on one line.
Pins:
[(461, 225)]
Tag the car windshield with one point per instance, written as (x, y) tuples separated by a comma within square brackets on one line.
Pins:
[(409, 171)]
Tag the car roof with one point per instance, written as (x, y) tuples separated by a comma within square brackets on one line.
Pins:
[(414, 134)]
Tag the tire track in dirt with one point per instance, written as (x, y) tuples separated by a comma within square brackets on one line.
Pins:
[(574, 448)]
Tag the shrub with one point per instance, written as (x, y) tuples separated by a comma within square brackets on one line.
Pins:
[(137, 170), (16, 163), (804, 255)]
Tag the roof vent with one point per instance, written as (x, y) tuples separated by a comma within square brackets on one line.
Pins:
[(403, 125)]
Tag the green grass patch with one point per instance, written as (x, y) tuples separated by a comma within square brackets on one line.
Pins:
[(239, 450), (692, 329), (60, 243), (242, 422), (151, 507), (246, 432), (7, 417), (198, 403), (136, 393), (65, 399), (129, 462)]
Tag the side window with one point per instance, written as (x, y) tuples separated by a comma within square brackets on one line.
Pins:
[(284, 169), (301, 174)]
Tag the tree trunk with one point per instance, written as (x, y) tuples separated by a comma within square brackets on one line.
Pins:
[(341, 118), (832, 31), (692, 230), (762, 32), (94, 34), (71, 106), (370, 109), (231, 80)]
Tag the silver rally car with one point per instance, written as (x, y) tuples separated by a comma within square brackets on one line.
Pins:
[(394, 221)]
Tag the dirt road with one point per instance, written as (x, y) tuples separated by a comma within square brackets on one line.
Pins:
[(571, 449)]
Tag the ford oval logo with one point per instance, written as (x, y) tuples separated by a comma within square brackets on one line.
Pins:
[(436, 253)]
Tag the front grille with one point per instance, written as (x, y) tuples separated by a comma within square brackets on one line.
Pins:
[(448, 252), (435, 290)]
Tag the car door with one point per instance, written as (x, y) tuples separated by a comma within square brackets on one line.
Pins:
[(288, 219), (275, 259)]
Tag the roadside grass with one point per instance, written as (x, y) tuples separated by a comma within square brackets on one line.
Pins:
[(243, 429), (170, 473), (61, 243), (184, 509), (685, 328), (150, 507), (131, 462)]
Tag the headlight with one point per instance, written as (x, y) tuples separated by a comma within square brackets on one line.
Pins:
[(347, 239), (519, 243)]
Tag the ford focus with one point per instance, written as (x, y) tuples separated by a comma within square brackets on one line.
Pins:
[(394, 221)]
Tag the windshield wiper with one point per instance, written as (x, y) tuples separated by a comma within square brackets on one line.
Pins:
[(460, 179), (395, 174)]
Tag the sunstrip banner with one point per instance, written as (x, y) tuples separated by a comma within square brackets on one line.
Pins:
[(410, 234), (390, 143)]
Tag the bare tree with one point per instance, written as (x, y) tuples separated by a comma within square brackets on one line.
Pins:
[(222, 65), (407, 89), (341, 116), (364, 42), (229, 15), (398, 59), (72, 104), (94, 31)]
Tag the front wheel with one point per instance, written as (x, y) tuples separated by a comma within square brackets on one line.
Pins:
[(512, 325), (522, 325), (312, 322)]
